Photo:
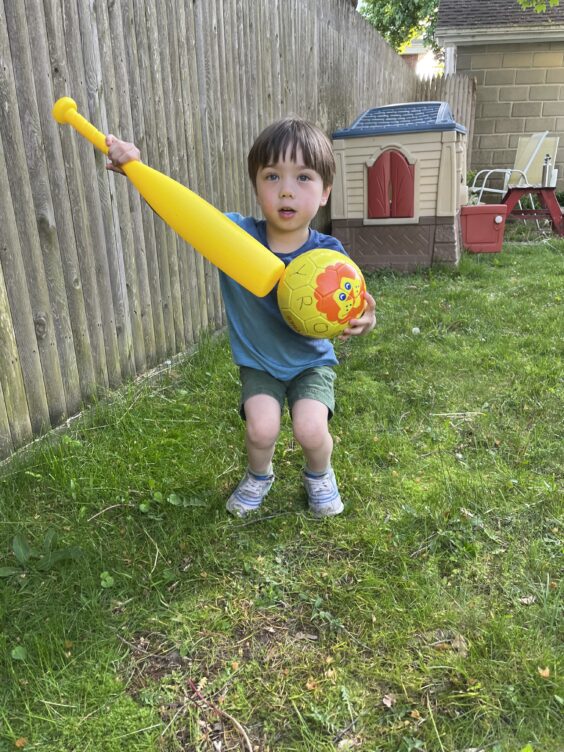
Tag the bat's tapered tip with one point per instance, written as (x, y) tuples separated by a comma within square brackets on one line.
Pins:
[(62, 108)]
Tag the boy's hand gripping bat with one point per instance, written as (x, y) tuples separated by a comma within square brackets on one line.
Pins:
[(211, 233)]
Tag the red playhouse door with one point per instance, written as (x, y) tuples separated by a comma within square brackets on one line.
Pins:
[(391, 187)]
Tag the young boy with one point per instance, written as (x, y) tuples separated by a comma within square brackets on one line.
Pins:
[(291, 167)]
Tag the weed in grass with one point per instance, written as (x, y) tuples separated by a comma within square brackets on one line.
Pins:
[(31, 560)]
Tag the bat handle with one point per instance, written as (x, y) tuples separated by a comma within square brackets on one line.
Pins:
[(64, 111)]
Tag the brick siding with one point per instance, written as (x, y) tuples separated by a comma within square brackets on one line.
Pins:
[(520, 91)]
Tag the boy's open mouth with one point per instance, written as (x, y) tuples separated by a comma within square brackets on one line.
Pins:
[(286, 212)]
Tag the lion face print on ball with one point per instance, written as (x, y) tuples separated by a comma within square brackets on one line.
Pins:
[(320, 292)]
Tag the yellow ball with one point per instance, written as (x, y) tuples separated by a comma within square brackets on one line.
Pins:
[(320, 292)]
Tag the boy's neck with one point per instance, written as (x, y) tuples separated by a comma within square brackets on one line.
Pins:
[(286, 242)]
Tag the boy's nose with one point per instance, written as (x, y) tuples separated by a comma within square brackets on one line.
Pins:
[(286, 191)]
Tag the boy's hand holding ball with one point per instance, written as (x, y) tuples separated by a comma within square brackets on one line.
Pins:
[(365, 323)]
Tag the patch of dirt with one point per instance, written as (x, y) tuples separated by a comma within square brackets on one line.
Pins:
[(194, 719)]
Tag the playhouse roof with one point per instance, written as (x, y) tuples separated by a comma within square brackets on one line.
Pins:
[(402, 118)]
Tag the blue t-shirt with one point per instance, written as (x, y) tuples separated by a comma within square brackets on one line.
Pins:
[(259, 336)]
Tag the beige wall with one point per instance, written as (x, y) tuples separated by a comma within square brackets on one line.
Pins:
[(425, 148), (520, 91)]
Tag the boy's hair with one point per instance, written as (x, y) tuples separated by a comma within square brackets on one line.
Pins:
[(295, 133)]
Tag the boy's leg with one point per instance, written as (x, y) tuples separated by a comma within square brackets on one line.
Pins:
[(262, 415), (311, 430), (312, 402), (261, 411)]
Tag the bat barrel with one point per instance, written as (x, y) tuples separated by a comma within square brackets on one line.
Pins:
[(215, 236), (211, 233)]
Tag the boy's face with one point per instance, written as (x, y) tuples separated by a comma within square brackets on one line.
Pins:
[(290, 194)]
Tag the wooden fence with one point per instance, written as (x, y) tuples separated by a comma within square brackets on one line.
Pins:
[(94, 288), (459, 91)]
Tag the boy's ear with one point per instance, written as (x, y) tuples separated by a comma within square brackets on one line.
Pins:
[(325, 195)]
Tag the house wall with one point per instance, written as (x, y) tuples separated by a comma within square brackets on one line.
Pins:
[(520, 90)]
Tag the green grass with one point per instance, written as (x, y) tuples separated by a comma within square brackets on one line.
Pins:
[(424, 618)]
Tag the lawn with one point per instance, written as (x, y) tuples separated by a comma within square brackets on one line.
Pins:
[(136, 615)]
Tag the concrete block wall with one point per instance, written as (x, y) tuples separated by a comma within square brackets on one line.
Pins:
[(520, 90)]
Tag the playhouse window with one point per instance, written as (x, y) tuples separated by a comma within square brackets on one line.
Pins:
[(391, 187)]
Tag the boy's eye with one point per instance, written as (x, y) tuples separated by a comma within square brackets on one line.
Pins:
[(304, 178), (271, 176)]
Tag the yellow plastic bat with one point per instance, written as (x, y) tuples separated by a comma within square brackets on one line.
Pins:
[(211, 233)]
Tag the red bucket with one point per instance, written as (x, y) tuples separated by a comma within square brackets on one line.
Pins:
[(483, 227)]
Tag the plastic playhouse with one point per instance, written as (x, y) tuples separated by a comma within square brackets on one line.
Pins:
[(399, 186)]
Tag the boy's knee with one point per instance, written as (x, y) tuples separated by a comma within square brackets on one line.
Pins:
[(310, 433), (262, 432)]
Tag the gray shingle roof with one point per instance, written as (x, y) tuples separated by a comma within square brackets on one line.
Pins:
[(462, 14), (402, 118)]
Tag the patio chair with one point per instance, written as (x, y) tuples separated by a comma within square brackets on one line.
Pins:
[(527, 170)]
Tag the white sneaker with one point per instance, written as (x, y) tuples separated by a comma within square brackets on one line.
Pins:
[(250, 492), (323, 494)]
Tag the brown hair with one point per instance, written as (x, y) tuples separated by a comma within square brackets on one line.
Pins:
[(293, 133)]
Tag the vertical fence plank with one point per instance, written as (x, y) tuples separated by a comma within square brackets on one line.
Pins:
[(196, 164), (189, 142), (156, 156), (122, 258), (171, 25), (236, 164), (176, 152), (265, 56), (143, 132), (274, 63), (132, 127), (99, 71), (258, 66), (55, 220), (19, 307), (42, 205), (164, 132), (217, 143), (6, 445), (73, 154), (110, 258), (16, 428), (241, 101), (82, 72), (19, 185), (209, 154), (232, 163)]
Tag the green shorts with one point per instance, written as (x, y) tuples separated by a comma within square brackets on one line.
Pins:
[(314, 383)]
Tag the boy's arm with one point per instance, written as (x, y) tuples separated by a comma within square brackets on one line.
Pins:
[(365, 323)]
